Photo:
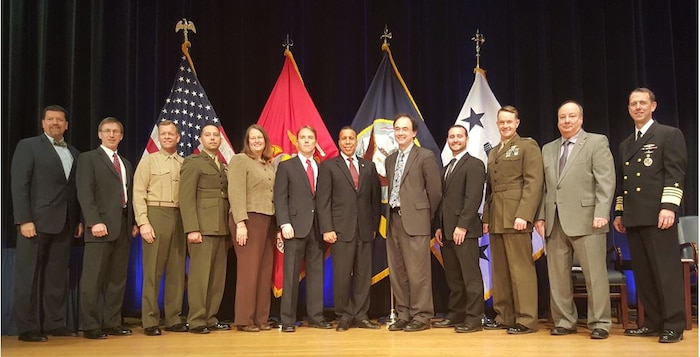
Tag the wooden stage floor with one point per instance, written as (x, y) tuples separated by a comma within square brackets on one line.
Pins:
[(356, 342)]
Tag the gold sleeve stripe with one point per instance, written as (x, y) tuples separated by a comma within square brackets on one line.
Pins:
[(618, 204), (672, 195)]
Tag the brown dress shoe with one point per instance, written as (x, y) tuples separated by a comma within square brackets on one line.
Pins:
[(248, 328)]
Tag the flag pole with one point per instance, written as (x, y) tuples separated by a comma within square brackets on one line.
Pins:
[(392, 318), (478, 40), (186, 26)]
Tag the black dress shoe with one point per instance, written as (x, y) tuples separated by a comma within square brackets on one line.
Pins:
[(670, 336), (152, 331), (288, 328), (32, 336), (599, 334), (467, 328), (200, 330), (219, 326), (561, 331), (321, 324), (118, 331), (181, 327), (365, 323), (520, 329), (444, 323), (61, 331), (343, 325), (495, 325), (95, 334), (399, 325), (416, 325), (641, 332)]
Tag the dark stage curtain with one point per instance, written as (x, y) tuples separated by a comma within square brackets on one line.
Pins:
[(117, 58)]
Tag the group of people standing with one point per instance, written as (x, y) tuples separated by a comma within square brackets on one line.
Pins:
[(199, 206), (565, 192)]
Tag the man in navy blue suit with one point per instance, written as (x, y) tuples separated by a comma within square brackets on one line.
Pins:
[(47, 216)]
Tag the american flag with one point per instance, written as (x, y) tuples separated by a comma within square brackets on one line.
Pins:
[(188, 106)]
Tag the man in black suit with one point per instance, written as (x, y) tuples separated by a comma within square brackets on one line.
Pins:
[(415, 192), (349, 204), (459, 229), (47, 216), (295, 209), (651, 172), (104, 191)]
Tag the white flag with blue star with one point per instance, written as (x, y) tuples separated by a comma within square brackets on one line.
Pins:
[(478, 116)]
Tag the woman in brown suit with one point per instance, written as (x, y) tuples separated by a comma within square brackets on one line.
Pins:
[(251, 178)]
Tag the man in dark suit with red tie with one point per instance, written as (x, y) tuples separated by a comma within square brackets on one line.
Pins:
[(349, 203), (47, 216), (295, 209), (104, 191)]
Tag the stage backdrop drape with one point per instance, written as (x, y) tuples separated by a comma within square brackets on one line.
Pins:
[(116, 58)]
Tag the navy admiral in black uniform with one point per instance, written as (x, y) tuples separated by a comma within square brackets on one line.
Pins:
[(649, 191)]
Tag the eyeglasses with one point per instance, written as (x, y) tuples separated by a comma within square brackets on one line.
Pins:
[(403, 129), (113, 131)]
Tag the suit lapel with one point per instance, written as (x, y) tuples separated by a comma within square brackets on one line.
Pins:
[(343, 167), (576, 149), (107, 161), (635, 145), (409, 162), (301, 171), (458, 164), (55, 158)]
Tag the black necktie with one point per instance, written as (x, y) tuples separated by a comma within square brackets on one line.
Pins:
[(639, 134), (450, 167)]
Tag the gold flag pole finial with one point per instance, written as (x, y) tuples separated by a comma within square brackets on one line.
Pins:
[(186, 26), (386, 36), (479, 40)]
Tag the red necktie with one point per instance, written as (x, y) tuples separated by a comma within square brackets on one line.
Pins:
[(353, 173), (118, 167), (310, 175)]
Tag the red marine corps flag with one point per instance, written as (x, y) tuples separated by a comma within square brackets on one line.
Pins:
[(288, 108)]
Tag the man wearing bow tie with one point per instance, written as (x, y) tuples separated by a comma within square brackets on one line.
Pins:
[(349, 203), (47, 216)]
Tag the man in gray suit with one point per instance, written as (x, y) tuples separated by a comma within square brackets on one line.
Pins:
[(46, 213), (579, 185), (415, 192)]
